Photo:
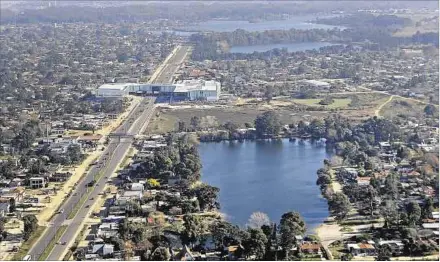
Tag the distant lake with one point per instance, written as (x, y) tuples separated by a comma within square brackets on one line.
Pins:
[(273, 177), (299, 22), (293, 47)]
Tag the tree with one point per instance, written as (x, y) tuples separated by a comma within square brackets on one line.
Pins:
[(390, 213), (430, 110), (194, 228), (207, 196), (181, 126), (268, 94), (3, 233), (225, 233), (161, 254), (384, 253), (30, 225), (370, 199), (339, 205), (258, 219), (255, 245), (74, 153), (391, 187), (291, 225), (414, 213), (152, 183), (267, 123), (231, 127), (11, 205), (195, 122), (428, 208)]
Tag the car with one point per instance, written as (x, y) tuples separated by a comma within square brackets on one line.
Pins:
[(61, 211), (64, 243), (87, 206), (92, 198)]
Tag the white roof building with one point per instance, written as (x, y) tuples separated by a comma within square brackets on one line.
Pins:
[(188, 89), (317, 83)]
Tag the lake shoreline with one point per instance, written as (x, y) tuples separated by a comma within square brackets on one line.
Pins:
[(256, 161)]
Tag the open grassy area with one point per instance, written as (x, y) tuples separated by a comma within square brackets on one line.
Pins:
[(162, 123), (399, 107), (24, 249), (429, 25), (338, 102), (52, 243), (169, 118)]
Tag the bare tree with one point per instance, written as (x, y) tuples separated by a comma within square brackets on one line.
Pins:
[(258, 219)]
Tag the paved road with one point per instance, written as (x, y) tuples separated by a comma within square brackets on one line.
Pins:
[(134, 124), (108, 162), (171, 67)]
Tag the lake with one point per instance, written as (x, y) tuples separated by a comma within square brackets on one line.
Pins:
[(299, 22), (292, 47), (273, 177)]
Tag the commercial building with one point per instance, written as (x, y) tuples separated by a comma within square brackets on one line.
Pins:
[(37, 182), (182, 90)]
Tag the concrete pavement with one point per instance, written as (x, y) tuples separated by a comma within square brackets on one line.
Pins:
[(134, 124), (173, 63), (108, 162)]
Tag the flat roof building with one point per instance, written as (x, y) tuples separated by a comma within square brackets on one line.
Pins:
[(184, 90)]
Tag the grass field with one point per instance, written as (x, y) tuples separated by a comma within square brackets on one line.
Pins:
[(431, 25), (52, 243), (338, 102), (168, 119), (24, 249), (401, 107)]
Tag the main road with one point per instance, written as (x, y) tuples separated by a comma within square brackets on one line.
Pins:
[(109, 160), (172, 65)]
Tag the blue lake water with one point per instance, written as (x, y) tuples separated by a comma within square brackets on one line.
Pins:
[(273, 177), (299, 22), (292, 47)]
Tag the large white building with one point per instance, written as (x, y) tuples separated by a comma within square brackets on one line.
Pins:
[(186, 90)]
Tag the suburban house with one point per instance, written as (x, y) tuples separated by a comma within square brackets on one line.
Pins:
[(361, 249)]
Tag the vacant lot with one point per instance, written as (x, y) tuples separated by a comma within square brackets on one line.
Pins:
[(398, 108), (354, 106), (338, 102), (166, 120)]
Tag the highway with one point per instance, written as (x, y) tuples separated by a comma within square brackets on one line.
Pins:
[(172, 65), (108, 162)]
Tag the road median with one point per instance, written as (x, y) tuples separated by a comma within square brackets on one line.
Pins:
[(52, 243)]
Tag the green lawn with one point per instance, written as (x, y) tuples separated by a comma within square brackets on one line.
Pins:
[(52, 243), (24, 249), (337, 250), (338, 102)]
